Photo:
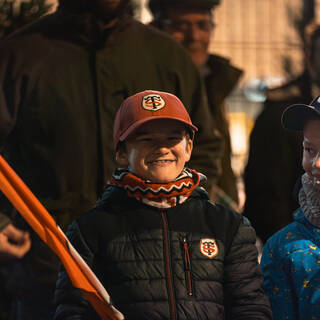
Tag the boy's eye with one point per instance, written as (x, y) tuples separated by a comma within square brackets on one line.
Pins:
[(308, 150)]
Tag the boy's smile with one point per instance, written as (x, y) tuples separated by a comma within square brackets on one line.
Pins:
[(157, 151)]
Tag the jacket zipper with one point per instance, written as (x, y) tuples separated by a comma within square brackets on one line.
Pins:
[(187, 264), (168, 266)]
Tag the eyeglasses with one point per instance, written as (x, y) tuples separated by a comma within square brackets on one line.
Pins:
[(186, 26)]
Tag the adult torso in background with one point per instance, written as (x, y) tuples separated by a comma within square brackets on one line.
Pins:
[(221, 78), (274, 163)]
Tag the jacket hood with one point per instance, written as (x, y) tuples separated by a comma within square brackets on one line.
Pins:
[(79, 24)]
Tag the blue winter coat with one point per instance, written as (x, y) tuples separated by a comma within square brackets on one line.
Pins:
[(291, 267)]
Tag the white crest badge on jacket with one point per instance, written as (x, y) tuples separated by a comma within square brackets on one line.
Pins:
[(209, 247)]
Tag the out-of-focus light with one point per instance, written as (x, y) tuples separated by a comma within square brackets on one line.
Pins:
[(238, 125), (255, 90)]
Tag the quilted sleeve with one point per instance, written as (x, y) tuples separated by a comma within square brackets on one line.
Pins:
[(71, 304), (244, 295)]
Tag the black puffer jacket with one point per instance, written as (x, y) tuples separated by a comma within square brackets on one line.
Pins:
[(140, 255)]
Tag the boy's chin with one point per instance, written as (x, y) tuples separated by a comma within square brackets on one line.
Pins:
[(160, 175), (162, 179)]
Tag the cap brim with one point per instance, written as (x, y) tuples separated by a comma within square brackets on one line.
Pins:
[(137, 124), (295, 116)]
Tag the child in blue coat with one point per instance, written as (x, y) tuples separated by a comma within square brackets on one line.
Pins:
[(291, 257)]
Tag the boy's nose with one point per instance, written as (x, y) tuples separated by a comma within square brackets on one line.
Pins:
[(163, 149)]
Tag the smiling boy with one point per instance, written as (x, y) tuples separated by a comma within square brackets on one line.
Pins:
[(156, 154), (155, 241), (291, 257)]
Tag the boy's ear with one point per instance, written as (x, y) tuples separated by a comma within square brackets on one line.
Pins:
[(122, 157), (189, 148)]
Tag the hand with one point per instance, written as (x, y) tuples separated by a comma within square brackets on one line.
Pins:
[(14, 243)]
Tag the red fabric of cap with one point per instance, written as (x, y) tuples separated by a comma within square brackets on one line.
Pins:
[(146, 106)]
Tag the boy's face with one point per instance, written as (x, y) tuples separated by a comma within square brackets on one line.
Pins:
[(311, 150), (156, 151)]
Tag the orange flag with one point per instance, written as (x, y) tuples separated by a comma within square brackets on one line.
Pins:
[(45, 226)]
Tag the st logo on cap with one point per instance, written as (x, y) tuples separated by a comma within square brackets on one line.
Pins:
[(146, 106), (153, 102)]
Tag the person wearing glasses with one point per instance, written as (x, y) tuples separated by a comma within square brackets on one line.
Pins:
[(190, 22)]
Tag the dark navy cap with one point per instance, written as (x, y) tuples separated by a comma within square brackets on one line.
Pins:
[(295, 116)]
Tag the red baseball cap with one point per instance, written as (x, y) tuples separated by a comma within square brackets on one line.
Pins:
[(146, 106)]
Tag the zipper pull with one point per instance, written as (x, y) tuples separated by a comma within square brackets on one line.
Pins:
[(188, 267), (186, 254)]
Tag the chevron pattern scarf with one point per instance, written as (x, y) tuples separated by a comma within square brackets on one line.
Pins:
[(157, 194)]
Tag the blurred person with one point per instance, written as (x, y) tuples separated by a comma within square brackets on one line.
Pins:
[(62, 79), (14, 15), (290, 259), (191, 23), (14, 244), (274, 161)]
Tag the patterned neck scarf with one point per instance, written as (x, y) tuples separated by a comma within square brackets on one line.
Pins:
[(309, 199), (157, 195)]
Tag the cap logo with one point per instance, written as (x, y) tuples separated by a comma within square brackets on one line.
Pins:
[(209, 248), (153, 102)]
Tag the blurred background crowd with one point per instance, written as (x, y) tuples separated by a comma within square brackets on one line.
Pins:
[(264, 38), (270, 49)]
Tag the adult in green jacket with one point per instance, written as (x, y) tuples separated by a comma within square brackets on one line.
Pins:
[(61, 81)]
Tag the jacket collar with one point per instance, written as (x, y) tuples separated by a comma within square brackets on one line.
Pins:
[(87, 29), (221, 79), (114, 196)]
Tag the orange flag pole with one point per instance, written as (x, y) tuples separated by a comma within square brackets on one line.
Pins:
[(45, 226)]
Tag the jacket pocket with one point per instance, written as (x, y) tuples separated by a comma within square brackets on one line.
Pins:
[(187, 266)]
